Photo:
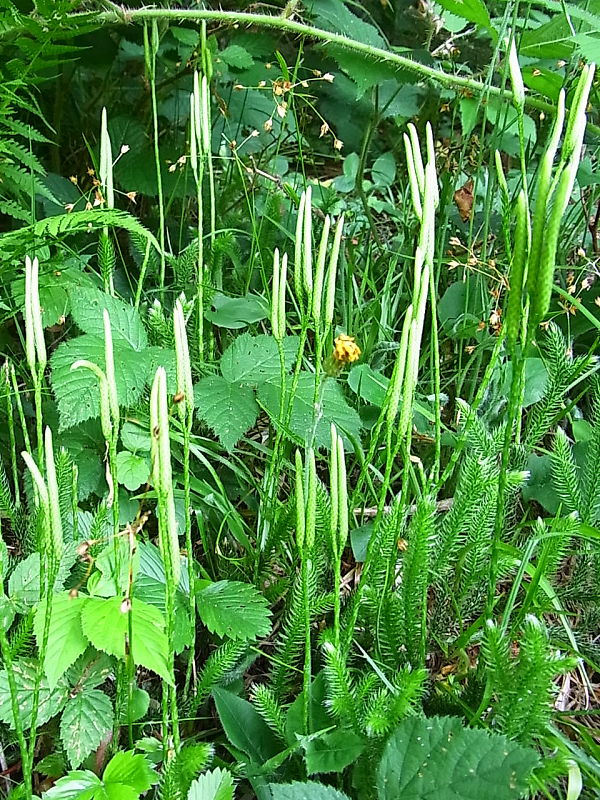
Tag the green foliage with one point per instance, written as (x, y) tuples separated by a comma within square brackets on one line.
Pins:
[(232, 609), (87, 718), (439, 755), (322, 255), (216, 784), (127, 775), (524, 685), (105, 622)]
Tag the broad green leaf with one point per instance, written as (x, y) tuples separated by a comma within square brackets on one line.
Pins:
[(539, 486), (233, 609), (51, 701), (131, 769), (235, 56), (76, 391), (305, 791), (244, 727), (106, 625), (216, 784), (368, 384), (383, 170), (462, 307), (472, 10), (366, 72), (87, 306), (535, 380), (150, 584), (137, 708), (333, 752), (105, 582), (24, 582), (251, 360), (86, 446), (66, 641), (469, 111), (438, 757), (87, 718), (334, 408), (77, 785), (227, 409), (543, 81), (135, 437), (55, 287), (588, 46), (132, 470), (319, 719), (552, 40), (90, 670), (334, 15), (237, 312)]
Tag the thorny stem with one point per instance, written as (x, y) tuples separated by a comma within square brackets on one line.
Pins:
[(132, 15)]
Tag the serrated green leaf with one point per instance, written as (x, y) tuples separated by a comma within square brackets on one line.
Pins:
[(150, 583), (472, 10), (233, 609), (77, 785), (66, 641), (244, 727), (227, 409), (552, 40), (87, 307), (236, 57), (588, 46), (86, 719), (334, 409), (251, 360), (216, 784), (333, 752), (438, 757), (131, 769), (132, 470), (24, 582), (50, 702), (305, 791), (106, 625), (76, 391)]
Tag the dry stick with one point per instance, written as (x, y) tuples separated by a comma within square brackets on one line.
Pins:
[(130, 15)]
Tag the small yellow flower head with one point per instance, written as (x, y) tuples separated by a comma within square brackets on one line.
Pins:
[(346, 351)]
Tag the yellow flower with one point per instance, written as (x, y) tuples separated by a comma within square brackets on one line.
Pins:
[(346, 351)]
